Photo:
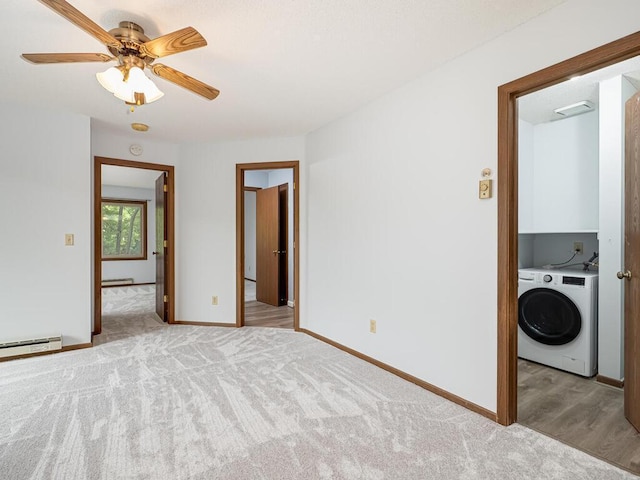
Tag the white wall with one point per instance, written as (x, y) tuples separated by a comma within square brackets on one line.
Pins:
[(250, 235), (541, 249), (142, 271), (613, 94), (525, 250), (45, 188), (420, 256), (550, 248), (256, 178), (107, 144), (207, 221), (260, 179)]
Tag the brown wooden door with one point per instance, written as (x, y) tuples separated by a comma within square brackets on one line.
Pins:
[(271, 248), (283, 240), (160, 249), (631, 270)]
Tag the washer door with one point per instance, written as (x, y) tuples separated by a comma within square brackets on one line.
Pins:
[(548, 316)]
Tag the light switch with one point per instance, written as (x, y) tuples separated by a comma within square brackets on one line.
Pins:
[(68, 239), (485, 189)]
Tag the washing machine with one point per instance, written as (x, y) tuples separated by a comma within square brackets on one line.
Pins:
[(558, 319)]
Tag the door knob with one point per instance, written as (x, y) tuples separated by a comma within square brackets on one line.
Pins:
[(622, 275)]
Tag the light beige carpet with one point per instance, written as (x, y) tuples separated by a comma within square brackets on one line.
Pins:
[(152, 401)]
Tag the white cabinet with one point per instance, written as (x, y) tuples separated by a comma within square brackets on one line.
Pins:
[(558, 175)]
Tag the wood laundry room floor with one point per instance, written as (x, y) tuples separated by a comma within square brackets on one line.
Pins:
[(578, 411)]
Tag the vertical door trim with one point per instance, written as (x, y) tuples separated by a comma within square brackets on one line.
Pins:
[(240, 169), (614, 52), (97, 234)]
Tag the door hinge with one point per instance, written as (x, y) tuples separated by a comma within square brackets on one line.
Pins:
[(164, 188), (164, 244), (294, 185), (166, 298)]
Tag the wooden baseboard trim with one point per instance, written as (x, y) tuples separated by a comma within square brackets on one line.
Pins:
[(410, 378), (67, 348), (127, 284), (610, 381), (78, 346), (203, 324)]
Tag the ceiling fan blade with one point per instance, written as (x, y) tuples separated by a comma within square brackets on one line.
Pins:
[(79, 19), (185, 81), (66, 57), (179, 41)]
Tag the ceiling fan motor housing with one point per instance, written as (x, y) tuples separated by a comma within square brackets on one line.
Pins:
[(132, 36)]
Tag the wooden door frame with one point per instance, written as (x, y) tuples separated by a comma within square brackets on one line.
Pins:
[(98, 162), (614, 52), (240, 188)]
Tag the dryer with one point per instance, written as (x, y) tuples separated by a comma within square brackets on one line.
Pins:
[(558, 319)]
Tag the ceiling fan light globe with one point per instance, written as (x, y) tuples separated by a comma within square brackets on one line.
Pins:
[(124, 93), (137, 82), (136, 79), (152, 92), (110, 79)]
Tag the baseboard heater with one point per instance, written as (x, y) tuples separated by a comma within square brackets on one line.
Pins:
[(25, 347)]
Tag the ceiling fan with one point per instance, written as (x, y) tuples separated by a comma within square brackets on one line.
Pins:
[(133, 51)]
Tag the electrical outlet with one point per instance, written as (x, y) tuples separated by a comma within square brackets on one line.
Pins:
[(372, 326), (214, 300), (578, 248)]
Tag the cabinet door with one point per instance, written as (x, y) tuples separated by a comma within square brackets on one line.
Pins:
[(561, 185)]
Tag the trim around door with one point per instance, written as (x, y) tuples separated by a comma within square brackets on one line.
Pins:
[(240, 188), (97, 234), (614, 52)]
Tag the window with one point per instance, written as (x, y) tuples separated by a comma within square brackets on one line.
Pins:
[(124, 227)]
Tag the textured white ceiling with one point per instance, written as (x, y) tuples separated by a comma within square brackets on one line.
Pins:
[(538, 107), (284, 67)]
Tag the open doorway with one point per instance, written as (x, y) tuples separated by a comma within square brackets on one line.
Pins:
[(267, 202), (556, 391), (141, 252)]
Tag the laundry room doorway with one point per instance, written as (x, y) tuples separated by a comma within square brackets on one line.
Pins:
[(509, 205)]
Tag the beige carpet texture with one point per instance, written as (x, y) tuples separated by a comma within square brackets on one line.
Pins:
[(152, 401)]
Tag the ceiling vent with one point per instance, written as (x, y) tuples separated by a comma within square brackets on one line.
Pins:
[(575, 109)]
